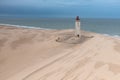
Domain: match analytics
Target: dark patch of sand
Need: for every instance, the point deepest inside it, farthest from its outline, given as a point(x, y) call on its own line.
point(117, 46)
point(2, 42)
point(73, 39)
point(26, 39)
point(114, 68)
point(99, 64)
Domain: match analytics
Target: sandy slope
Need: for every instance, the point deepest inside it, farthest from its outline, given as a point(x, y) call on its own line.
point(29, 54)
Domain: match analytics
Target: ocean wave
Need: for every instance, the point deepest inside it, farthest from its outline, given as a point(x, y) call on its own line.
point(114, 36)
point(20, 26)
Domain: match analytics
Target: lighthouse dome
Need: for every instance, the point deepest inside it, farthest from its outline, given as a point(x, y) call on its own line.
point(77, 18)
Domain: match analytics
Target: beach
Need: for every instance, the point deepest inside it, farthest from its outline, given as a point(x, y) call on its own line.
point(38, 54)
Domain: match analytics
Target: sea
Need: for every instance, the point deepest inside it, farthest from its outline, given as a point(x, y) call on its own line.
point(110, 27)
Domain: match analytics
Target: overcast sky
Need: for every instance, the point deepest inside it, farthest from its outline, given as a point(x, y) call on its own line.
point(61, 8)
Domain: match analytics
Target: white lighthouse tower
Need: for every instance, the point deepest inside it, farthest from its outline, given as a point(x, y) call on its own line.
point(77, 27)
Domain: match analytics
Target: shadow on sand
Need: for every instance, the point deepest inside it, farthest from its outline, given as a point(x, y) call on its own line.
point(71, 39)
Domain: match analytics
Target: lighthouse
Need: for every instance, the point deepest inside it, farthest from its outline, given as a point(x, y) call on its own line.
point(77, 27)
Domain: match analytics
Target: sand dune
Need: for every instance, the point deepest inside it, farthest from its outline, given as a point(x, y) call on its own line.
point(32, 54)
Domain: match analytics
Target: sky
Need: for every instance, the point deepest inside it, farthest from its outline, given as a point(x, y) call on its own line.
point(61, 8)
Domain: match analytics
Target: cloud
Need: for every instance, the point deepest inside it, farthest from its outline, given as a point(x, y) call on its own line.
point(60, 7)
point(42, 3)
point(57, 3)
